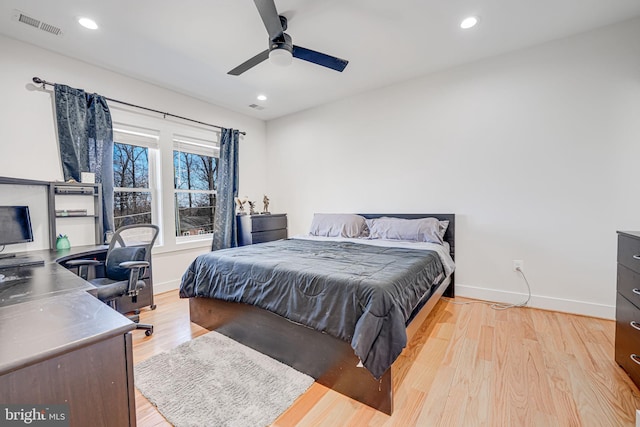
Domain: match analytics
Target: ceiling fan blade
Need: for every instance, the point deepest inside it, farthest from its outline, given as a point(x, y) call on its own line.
point(269, 15)
point(262, 56)
point(319, 58)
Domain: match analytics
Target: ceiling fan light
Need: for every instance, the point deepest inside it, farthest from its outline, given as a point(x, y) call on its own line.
point(280, 57)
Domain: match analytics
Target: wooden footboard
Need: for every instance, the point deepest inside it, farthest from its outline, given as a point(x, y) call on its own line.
point(329, 360)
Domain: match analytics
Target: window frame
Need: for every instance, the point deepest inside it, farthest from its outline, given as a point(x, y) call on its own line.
point(149, 139)
point(198, 146)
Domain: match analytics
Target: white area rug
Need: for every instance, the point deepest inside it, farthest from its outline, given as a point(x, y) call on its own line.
point(216, 381)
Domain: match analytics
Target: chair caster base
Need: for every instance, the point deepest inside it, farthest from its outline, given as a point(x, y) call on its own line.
point(147, 327)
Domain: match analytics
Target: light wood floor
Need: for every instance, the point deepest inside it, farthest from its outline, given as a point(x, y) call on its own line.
point(469, 365)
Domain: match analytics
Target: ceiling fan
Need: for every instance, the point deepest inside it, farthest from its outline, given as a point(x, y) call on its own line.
point(281, 49)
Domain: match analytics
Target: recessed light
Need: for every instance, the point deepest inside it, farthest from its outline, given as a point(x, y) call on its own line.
point(88, 23)
point(262, 97)
point(469, 22)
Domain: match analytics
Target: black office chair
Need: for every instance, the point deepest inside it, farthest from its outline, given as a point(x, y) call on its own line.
point(128, 256)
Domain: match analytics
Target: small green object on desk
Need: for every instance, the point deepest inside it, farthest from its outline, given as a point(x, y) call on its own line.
point(62, 242)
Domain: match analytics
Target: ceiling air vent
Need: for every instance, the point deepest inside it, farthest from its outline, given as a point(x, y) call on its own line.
point(28, 20)
point(50, 28)
point(256, 107)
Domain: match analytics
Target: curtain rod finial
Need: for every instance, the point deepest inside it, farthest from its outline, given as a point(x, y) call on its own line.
point(37, 80)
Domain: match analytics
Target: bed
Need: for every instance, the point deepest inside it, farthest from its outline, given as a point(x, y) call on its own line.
point(338, 309)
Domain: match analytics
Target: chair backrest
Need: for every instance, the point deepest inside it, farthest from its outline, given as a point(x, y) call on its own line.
point(118, 255)
point(129, 243)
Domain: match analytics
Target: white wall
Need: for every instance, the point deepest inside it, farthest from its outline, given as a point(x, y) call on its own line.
point(28, 145)
point(535, 151)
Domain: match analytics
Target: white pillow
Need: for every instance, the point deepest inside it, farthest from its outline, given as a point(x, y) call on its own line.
point(416, 230)
point(338, 225)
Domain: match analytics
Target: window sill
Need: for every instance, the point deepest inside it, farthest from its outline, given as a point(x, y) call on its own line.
point(185, 244)
point(196, 240)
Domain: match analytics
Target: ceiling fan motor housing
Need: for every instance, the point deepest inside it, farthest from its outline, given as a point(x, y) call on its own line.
point(282, 42)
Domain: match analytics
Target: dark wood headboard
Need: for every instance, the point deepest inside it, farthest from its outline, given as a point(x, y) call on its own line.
point(449, 235)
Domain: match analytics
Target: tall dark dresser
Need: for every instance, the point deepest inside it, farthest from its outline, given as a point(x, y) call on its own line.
point(628, 304)
point(261, 228)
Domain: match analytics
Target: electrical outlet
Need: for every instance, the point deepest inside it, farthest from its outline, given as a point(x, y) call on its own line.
point(518, 264)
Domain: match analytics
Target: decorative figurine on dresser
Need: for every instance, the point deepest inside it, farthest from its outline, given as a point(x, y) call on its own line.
point(627, 344)
point(265, 204)
point(240, 204)
point(252, 208)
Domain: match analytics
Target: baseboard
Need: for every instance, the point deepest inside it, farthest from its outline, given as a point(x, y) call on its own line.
point(170, 285)
point(538, 301)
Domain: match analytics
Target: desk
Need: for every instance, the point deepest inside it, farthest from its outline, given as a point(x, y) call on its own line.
point(37, 282)
point(61, 345)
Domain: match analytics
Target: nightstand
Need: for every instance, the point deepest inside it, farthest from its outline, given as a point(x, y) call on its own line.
point(261, 228)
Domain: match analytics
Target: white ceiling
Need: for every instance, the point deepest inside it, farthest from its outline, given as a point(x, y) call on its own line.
point(189, 46)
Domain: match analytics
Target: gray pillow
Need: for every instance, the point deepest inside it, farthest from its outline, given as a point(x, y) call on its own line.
point(338, 225)
point(416, 230)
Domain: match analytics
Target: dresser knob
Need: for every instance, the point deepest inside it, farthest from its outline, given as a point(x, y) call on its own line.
point(636, 257)
point(635, 325)
point(635, 358)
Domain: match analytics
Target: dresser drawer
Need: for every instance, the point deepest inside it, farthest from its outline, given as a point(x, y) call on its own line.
point(628, 337)
point(629, 252)
point(629, 284)
point(268, 236)
point(268, 222)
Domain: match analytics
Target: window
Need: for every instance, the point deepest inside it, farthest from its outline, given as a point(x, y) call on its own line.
point(195, 166)
point(133, 175)
point(131, 196)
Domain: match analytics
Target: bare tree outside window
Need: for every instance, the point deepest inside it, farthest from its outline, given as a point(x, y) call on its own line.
point(195, 197)
point(132, 196)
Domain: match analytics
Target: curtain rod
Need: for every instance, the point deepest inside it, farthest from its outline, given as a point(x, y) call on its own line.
point(38, 80)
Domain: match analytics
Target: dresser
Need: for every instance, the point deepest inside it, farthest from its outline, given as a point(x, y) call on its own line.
point(627, 351)
point(261, 228)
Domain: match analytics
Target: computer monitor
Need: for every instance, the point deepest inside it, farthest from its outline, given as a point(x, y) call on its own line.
point(15, 225)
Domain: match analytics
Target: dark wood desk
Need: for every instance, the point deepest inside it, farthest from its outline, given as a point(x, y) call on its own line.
point(61, 345)
point(22, 284)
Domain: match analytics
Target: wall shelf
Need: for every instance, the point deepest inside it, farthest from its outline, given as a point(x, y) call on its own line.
point(79, 192)
point(67, 192)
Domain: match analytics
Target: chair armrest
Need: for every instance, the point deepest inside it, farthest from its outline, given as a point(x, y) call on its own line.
point(135, 284)
point(134, 264)
point(83, 266)
point(80, 262)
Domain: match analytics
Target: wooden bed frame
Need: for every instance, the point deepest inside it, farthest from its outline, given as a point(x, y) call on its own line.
point(329, 360)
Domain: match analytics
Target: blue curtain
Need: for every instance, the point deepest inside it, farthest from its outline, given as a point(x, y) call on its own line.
point(224, 222)
point(85, 136)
